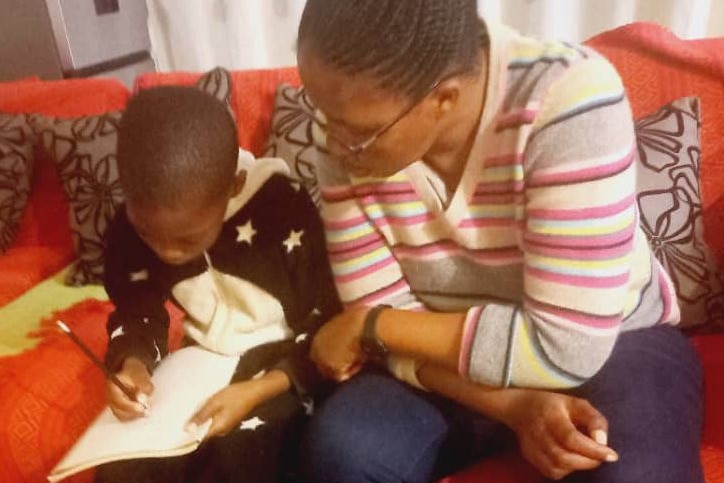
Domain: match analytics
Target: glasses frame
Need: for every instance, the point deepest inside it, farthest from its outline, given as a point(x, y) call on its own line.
point(359, 148)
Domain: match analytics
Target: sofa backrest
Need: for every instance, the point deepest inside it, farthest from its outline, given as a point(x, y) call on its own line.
point(252, 98)
point(657, 67)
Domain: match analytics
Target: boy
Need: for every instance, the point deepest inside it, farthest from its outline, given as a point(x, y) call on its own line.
point(236, 245)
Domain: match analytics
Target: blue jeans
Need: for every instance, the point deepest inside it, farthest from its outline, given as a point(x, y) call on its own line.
point(376, 429)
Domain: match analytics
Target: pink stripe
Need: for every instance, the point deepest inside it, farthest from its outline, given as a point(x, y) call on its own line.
point(390, 198)
point(606, 253)
point(504, 160)
point(581, 241)
point(596, 322)
point(339, 257)
point(404, 220)
point(357, 274)
point(487, 222)
point(585, 213)
point(516, 118)
point(335, 194)
point(380, 296)
point(494, 198)
point(578, 280)
point(665, 297)
point(352, 244)
point(466, 344)
point(345, 223)
point(383, 187)
point(500, 187)
point(580, 175)
point(495, 257)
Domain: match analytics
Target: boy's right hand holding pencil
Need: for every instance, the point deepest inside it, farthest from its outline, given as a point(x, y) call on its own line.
point(134, 375)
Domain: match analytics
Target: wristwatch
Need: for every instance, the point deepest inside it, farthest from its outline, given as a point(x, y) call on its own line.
point(372, 345)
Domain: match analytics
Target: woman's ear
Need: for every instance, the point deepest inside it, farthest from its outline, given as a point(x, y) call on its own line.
point(446, 96)
point(238, 184)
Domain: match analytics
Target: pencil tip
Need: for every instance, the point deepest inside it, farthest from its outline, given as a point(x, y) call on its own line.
point(62, 326)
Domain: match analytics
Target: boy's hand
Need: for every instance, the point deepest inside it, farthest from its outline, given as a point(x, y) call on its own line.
point(135, 376)
point(228, 407)
point(559, 434)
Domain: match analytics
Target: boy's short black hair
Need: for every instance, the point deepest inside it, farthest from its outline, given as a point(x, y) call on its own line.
point(176, 144)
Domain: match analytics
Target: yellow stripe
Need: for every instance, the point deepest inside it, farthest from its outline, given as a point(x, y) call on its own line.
point(591, 230)
point(592, 264)
point(544, 377)
point(348, 234)
point(350, 265)
point(23, 315)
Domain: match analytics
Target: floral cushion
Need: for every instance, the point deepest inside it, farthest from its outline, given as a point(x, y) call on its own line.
point(671, 210)
point(84, 151)
point(16, 162)
point(291, 137)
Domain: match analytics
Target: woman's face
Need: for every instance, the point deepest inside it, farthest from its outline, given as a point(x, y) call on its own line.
point(355, 109)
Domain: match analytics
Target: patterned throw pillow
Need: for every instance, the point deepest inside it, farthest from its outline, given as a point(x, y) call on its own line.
point(291, 137)
point(17, 144)
point(84, 151)
point(671, 210)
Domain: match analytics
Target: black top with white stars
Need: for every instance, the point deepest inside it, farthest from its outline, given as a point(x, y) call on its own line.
point(261, 290)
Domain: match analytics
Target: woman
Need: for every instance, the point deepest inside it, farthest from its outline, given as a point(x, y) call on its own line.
point(481, 220)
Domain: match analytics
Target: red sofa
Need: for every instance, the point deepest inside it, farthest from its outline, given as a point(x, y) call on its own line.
point(49, 392)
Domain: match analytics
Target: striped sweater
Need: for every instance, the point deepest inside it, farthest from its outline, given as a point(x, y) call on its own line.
point(539, 245)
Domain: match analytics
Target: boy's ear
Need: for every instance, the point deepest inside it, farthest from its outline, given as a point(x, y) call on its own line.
point(239, 182)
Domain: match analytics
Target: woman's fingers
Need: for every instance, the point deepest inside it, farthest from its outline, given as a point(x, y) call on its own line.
point(584, 415)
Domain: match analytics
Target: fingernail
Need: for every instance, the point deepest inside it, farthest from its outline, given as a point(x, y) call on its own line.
point(142, 398)
point(600, 437)
point(146, 413)
point(612, 457)
point(191, 428)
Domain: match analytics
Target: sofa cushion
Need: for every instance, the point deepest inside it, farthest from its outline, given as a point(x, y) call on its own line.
point(291, 137)
point(84, 151)
point(670, 206)
point(17, 144)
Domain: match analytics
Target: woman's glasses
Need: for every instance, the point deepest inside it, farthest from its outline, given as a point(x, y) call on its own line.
point(356, 149)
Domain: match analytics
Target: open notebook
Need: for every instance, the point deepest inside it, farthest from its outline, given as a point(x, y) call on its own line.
point(182, 383)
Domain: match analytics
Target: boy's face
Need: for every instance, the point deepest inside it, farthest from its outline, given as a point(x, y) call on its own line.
point(179, 234)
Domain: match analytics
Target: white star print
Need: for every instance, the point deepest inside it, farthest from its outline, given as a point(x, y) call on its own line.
point(294, 240)
point(139, 276)
point(296, 185)
point(301, 338)
point(117, 333)
point(158, 352)
point(251, 424)
point(245, 232)
point(308, 407)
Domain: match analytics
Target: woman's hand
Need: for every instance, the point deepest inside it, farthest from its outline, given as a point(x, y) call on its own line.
point(336, 348)
point(228, 407)
point(558, 434)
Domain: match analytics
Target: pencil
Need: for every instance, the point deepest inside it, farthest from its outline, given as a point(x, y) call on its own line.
point(112, 377)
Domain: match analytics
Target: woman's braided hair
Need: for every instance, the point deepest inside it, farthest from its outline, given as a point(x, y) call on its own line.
point(406, 45)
